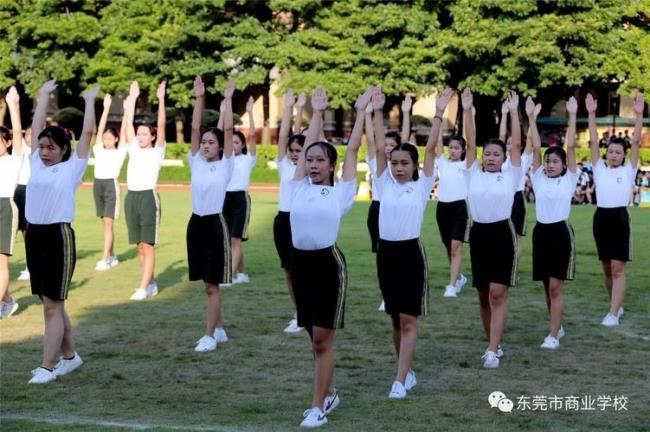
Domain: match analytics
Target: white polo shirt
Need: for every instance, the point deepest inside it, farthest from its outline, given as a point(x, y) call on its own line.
point(402, 206)
point(241, 176)
point(553, 195)
point(9, 170)
point(526, 163)
point(316, 212)
point(144, 166)
point(51, 189)
point(209, 181)
point(452, 186)
point(491, 194)
point(287, 170)
point(108, 163)
point(613, 185)
point(25, 170)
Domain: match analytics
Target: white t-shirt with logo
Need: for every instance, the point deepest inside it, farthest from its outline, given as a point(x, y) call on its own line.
point(241, 176)
point(553, 195)
point(613, 185)
point(108, 162)
point(316, 212)
point(144, 166)
point(287, 170)
point(452, 186)
point(209, 180)
point(491, 194)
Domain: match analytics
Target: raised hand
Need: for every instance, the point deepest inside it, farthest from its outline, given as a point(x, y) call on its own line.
point(12, 97)
point(530, 107)
point(249, 104)
point(443, 99)
point(302, 100)
point(466, 98)
point(407, 103)
point(369, 108)
point(572, 105)
point(364, 100)
point(638, 104)
point(160, 93)
point(378, 99)
point(108, 99)
point(319, 99)
point(538, 109)
point(504, 108)
point(513, 100)
point(591, 104)
point(91, 93)
point(134, 90)
point(199, 87)
point(289, 99)
point(229, 90)
point(47, 88)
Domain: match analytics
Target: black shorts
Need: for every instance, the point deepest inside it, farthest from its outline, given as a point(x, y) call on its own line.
point(208, 249)
point(554, 252)
point(320, 281)
point(492, 248)
point(282, 238)
point(518, 215)
point(142, 212)
point(453, 221)
point(237, 212)
point(19, 199)
point(402, 272)
point(8, 225)
point(51, 258)
point(373, 225)
point(613, 234)
point(107, 198)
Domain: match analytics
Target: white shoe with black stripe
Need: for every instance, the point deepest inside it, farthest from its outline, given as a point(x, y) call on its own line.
point(313, 418)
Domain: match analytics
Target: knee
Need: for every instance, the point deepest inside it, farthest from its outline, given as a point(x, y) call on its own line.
point(407, 323)
point(211, 290)
point(51, 308)
point(455, 249)
point(497, 297)
point(321, 346)
point(395, 321)
point(555, 290)
point(617, 270)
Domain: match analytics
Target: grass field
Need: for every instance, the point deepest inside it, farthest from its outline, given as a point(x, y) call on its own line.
point(141, 371)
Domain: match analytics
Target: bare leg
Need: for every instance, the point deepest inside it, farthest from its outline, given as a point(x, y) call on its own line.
point(67, 344)
point(486, 312)
point(323, 347)
point(408, 327)
point(499, 313)
point(147, 262)
point(557, 305)
point(4, 278)
point(397, 334)
point(618, 286)
point(236, 254)
point(54, 330)
point(289, 281)
point(455, 260)
point(607, 273)
point(214, 308)
point(107, 224)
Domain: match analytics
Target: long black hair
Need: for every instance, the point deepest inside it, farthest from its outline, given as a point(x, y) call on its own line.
point(559, 151)
point(330, 151)
point(218, 133)
point(242, 138)
point(413, 152)
point(60, 137)
point(6, 136)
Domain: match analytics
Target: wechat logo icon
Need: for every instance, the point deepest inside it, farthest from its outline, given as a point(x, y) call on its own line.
point(499, 400)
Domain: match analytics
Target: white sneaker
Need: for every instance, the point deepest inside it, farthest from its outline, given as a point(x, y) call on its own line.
point(491, 361)
point(219, 335)
point(560, 333)
point(293, 327)
point(205, 344)
point(460, 283)
point(550, 343)
point(397, 391)
point(620, 312)
point(103, 265)
point(24, 275)
point(42, 376)
point(331, 402)
point(313, 418)
point(410, 380)
point(241, 278)
point(382, 306)
point(450, 291)
point(8, 308)
point(139, 294)
point(113, 261)
point(152, 289)
point(65, 366)
point(499, 351)
point(610, 320)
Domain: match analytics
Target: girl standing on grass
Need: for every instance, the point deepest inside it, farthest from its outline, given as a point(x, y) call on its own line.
point(208, 242)
point(146, 150)
point(289, 149)
point(612, 228)
point(11, 158)
point(318, 267)
point(553, 238)
point(401, 260)
point(109, 157)
point(237, 206)
point(391, 140)
point(492, 239)
point(57, 172)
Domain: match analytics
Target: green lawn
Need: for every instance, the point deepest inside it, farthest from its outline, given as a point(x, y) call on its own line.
point(141, 371)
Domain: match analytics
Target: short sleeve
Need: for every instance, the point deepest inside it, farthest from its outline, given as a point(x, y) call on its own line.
point(283, 165)
point(295, 186)
point(372, 165)
point(572, 178)
point(191, 159)
point(441, 161)
point(517, 173)
point(251, 162)
point(381, 181)
point(78, 167)
point(631, 171)
point(160, 152)
point(346, 191)
point(526, 161)
point(538, 174)
point(426, 186)
point(228, 166)
point(473, 168)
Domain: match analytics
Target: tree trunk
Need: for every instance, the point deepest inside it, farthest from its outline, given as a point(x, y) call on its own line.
point(3, 108)
point(179, 120)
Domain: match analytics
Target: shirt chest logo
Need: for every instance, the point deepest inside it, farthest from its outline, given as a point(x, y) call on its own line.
point(619, 179)
point(324, 192)
point(213, 168)
point(499, 178)
point(55, 170)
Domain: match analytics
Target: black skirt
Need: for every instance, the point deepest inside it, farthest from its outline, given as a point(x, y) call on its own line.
point(613, 234)
point(554, 253)
point(492, 250)
point(282, 238)
point(518, 216)
point(237, 212)
point(208, 249)
point(453, 221)
point(373, 225)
